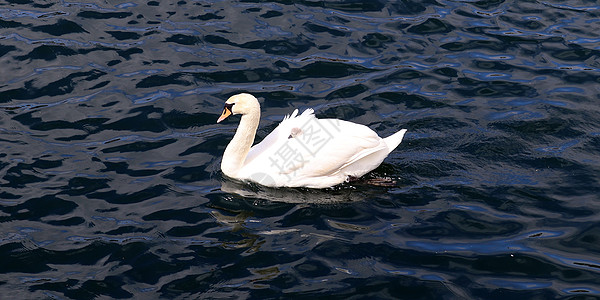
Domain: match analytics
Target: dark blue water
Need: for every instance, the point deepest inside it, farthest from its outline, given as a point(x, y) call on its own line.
point(110, 181)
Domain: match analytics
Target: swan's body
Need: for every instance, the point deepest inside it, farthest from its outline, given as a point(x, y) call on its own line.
point(302, 151)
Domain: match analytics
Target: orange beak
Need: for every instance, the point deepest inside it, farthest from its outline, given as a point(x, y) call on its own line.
point(226, 113)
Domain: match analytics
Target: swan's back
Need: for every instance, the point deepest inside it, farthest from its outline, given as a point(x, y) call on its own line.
point(311, 152)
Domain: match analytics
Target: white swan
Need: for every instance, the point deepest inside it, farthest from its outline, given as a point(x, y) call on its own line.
point(302, 151)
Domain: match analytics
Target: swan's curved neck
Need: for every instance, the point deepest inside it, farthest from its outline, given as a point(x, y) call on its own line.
point(237, 150)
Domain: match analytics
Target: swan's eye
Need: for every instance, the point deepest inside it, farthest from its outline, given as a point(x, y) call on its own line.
point(228, 106)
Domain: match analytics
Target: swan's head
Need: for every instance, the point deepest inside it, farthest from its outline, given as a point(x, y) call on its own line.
point(242, 104)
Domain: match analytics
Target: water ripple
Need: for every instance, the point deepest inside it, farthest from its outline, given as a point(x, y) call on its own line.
point(110, 155)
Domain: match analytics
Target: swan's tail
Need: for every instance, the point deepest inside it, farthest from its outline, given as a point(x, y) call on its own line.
point(394, 140)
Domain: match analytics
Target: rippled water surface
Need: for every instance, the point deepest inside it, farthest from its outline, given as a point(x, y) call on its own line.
point(110, 182)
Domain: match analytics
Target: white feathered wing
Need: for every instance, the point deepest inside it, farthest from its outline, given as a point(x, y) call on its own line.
point(310, 152)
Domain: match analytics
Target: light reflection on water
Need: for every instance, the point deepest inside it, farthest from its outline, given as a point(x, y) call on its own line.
point(109, 152)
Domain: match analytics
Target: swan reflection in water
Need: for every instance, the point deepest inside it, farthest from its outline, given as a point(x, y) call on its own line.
point(359, 190)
